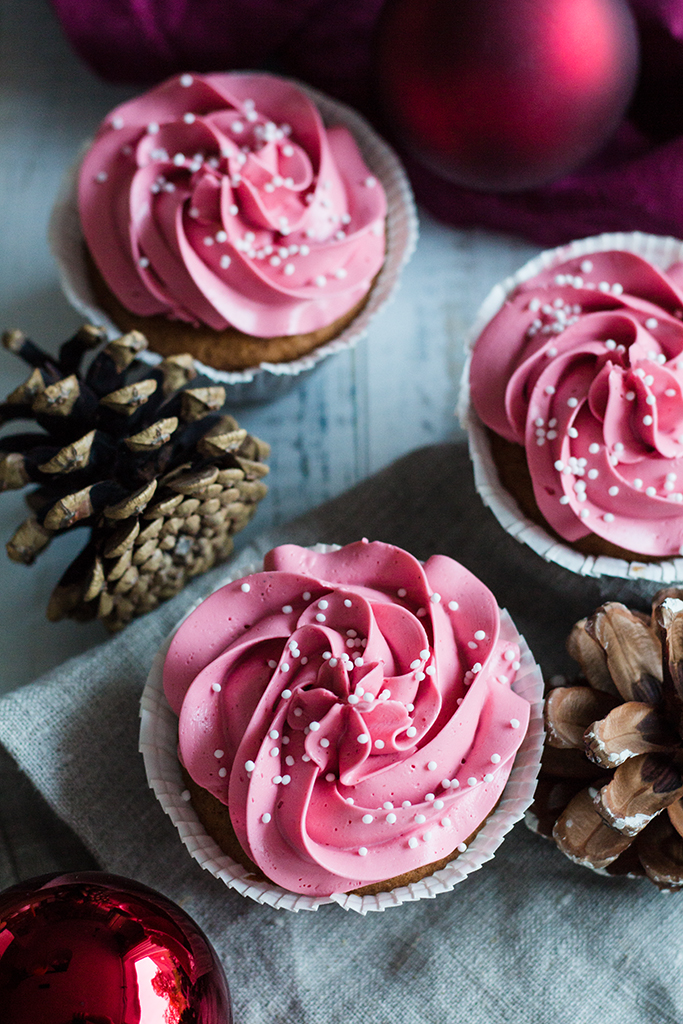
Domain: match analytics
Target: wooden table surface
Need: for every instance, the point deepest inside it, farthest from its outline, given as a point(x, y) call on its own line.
point(396, 391)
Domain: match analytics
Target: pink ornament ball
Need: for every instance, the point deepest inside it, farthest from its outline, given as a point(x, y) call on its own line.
point(504, 95)
point(94, 948)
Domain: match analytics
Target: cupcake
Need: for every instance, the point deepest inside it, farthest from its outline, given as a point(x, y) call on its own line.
point(347, 721)
point(237, 216)
point(574, 402)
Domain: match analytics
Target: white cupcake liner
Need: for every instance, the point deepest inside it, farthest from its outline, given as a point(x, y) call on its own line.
point(661, 252)
point(268, 380)
point(159, 742)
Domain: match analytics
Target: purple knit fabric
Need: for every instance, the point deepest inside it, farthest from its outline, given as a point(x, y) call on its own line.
point(635, 184)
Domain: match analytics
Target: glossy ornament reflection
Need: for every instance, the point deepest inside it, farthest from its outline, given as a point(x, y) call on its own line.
point(92, 948)
point(505, 94)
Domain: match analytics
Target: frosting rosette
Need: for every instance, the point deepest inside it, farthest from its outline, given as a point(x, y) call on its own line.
point(583, 366)
point(352, 708)
point(223, 200)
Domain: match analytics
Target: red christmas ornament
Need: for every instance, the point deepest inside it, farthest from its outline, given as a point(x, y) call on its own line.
point(506, 94)
point(93, 948)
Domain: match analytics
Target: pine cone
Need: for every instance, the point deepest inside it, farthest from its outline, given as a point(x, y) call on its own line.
point(611, 783)
point(159, 475)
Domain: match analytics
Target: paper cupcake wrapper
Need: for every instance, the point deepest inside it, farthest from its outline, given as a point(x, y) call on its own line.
point(159, 748)
point(660, 251)
point(268, 380)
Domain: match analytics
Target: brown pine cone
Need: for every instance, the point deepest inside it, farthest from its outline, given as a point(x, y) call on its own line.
point(160, 476)
point(611, 782)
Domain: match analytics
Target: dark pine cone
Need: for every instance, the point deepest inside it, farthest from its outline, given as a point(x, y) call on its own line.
point(159, 475)
point(611, 784)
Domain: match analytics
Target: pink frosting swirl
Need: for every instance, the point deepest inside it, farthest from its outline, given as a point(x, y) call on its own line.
point(223, 200)
point(353, 709)
point(583, 365)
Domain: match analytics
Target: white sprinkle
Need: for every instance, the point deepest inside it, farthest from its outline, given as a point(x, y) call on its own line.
point(420, 819)
point(216, 687)
point(412, 842)
point(608, 517)
point(572, 402)
point(320, 280)
point(379, 744)
point(637, 483)
point(265, 818)
point(630, 395)
point(340, 273)
point(276, 780)
point(647, 421)
point(549, 389)
point(152, 128)
point(314, 726)
point(453, 605)
point(593, 474)
point(471, 781)
point(573, 432)
point(274, 734)
point(350, 800)
point(390, 819)
point(514, 722)
point(286, 779)
point(411, 731)
point(222, 772)
point(610, 344)
point(650, 400)
point(650, 491)
point(274, 751)
point(367, 818)
point(488, 777)
point(320, 617)
point(435, 598)
point(186, 80)
point(586, 266)
point(101, 176)
point(480, 635)
point(245, 588)
point(289, 760)
point(651, 323)
point(462, 847)
point(249, 765)
point(218, 753)
point(363, 738)
point(613, 491)
point(649, 380)
point(431, 766)
point(670, 392)
point(594, 448)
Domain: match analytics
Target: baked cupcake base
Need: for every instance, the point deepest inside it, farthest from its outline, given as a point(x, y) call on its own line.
point(230, 350)
point(159, 743)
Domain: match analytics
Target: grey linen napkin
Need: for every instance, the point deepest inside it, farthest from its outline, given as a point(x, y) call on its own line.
point(530, 938)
